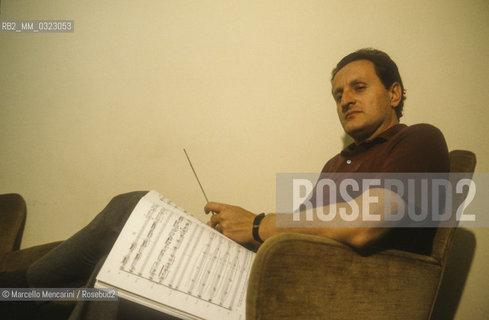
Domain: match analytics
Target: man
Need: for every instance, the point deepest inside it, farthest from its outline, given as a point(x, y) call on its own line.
point(369, 96)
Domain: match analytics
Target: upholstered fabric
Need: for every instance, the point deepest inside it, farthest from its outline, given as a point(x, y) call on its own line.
point(461, 161)
point(298, 276)
point(12, 221)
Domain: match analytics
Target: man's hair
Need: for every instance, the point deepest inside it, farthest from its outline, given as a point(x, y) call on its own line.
point(385, 68)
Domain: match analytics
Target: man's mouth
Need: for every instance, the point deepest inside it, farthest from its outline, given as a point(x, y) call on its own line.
point(350, 114)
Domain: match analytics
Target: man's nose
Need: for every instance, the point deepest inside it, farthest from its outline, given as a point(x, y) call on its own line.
point(347, 100)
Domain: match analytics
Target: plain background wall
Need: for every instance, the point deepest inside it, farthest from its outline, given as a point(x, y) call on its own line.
point(243, 85)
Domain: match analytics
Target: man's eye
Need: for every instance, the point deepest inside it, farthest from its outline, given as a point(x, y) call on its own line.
point(338, 98)
point(360, 88)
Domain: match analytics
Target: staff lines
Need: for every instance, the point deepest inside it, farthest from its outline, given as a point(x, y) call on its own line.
point(213, 267)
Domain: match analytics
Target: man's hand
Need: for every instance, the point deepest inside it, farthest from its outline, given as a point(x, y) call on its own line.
point(234, 222)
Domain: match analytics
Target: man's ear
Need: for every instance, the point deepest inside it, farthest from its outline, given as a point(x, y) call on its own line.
point(396, 94)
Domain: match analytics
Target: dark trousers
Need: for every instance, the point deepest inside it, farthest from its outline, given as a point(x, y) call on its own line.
point(71, 263)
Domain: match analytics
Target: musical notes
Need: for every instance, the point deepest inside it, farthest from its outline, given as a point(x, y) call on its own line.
point(167, 248)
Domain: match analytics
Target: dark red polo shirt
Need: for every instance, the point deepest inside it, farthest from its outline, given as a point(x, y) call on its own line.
point(419, 148)
point(400, 149)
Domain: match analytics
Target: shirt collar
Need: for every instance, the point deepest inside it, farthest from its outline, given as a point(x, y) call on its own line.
point(384, 136)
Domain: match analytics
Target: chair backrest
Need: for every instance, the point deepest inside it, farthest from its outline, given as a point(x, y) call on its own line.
point(12, 221)
point(461, 161)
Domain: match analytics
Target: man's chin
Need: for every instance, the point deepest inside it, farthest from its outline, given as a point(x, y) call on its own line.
point(355, 131)
point(352, 128)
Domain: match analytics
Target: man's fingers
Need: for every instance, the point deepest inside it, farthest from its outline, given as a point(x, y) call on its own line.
point(215, 207)
point(214, 220)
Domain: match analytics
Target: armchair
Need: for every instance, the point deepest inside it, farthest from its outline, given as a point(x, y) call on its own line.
point(296, 276)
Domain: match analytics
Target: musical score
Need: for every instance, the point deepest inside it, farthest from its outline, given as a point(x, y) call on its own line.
point(169, 249)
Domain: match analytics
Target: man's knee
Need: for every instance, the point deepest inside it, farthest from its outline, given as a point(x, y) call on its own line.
point(115, 214)
point(127, 200)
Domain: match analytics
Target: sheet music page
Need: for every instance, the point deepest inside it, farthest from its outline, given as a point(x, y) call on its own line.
point(167, 256)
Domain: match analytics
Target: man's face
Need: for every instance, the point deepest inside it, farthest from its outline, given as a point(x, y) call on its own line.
point(365, 107)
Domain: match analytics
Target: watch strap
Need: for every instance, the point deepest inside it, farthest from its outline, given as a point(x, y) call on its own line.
point(256, 226)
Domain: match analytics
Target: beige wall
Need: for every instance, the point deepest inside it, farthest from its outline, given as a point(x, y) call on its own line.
point(243, 85)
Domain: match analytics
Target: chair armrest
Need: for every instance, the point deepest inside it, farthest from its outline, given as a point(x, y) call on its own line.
point(12, 221)
point(21, 259)
point(296, 276)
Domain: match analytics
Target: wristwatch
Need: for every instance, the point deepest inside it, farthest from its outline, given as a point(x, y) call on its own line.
point(256, 226)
